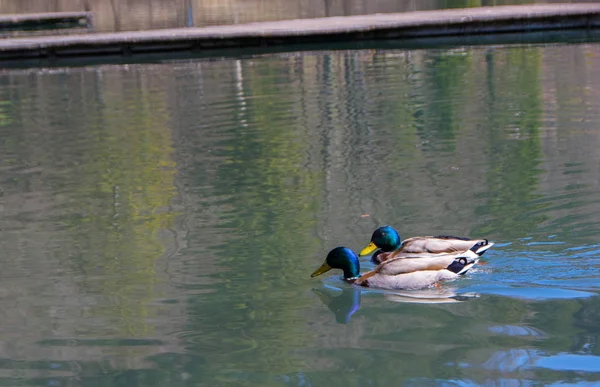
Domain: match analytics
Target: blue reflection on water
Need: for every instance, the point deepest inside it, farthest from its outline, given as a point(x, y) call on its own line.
point(570, 362)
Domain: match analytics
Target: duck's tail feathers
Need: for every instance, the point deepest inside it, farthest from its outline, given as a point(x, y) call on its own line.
point(481, 247)
point(461, 265)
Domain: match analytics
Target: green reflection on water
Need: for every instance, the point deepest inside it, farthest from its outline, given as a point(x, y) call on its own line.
point(4, 113)
point(270, 177)
point(268, 226)
point(513, 119)
point(123, 196)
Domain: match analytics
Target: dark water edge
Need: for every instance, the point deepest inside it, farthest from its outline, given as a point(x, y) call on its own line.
point(176, 55)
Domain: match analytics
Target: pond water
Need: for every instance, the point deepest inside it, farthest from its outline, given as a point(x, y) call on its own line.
point(159, 222)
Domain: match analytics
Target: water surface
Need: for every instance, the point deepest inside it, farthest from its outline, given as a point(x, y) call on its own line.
point(160, 221)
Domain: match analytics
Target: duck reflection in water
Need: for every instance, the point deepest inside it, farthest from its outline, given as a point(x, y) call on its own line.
point(344, 302)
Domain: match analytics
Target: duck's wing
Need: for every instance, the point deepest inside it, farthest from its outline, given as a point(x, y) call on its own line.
point(414, 273)
point(403, 265)
point(415, 280)
point(442, 244)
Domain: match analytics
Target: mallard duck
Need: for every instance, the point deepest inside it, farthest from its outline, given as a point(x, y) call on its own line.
point(397, 273)
point(442, 249)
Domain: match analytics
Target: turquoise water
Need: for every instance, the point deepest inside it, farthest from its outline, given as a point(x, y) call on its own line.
point(159, 222)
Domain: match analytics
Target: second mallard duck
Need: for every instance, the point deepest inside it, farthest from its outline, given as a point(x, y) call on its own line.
point(439, 250)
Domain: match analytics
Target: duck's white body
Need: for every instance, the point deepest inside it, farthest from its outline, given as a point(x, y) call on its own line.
point(410, 273)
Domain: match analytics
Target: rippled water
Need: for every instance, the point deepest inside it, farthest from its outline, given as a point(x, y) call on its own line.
point(159, 223)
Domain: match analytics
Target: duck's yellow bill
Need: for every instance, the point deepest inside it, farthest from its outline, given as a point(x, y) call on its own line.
point(368, 250)
point(323, 269)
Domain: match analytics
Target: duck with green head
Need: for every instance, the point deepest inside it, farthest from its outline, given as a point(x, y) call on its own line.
point(397, 273)
point(441, 249)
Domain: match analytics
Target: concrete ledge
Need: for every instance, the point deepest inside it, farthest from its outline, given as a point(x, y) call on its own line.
point(44, 20)
point(411, 25)
point(543, 37)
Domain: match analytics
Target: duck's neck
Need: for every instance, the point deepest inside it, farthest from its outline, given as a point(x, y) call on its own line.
point(351, 270)
point(392, 243)
point(392, 246)
point(380, 256)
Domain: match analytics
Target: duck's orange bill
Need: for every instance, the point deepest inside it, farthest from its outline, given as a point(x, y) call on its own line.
point(368, 250)
point(323, 269)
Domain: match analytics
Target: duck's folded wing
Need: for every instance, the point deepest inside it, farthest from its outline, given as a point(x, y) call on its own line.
point(409, 265)
point(416, 280)
point(439, 244)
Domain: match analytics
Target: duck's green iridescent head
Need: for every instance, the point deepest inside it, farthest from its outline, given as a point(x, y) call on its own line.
point(386, 238)
point(340, 258)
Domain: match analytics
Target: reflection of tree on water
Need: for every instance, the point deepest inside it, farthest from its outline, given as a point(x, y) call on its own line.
point(255, 318)
point(513, 117)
